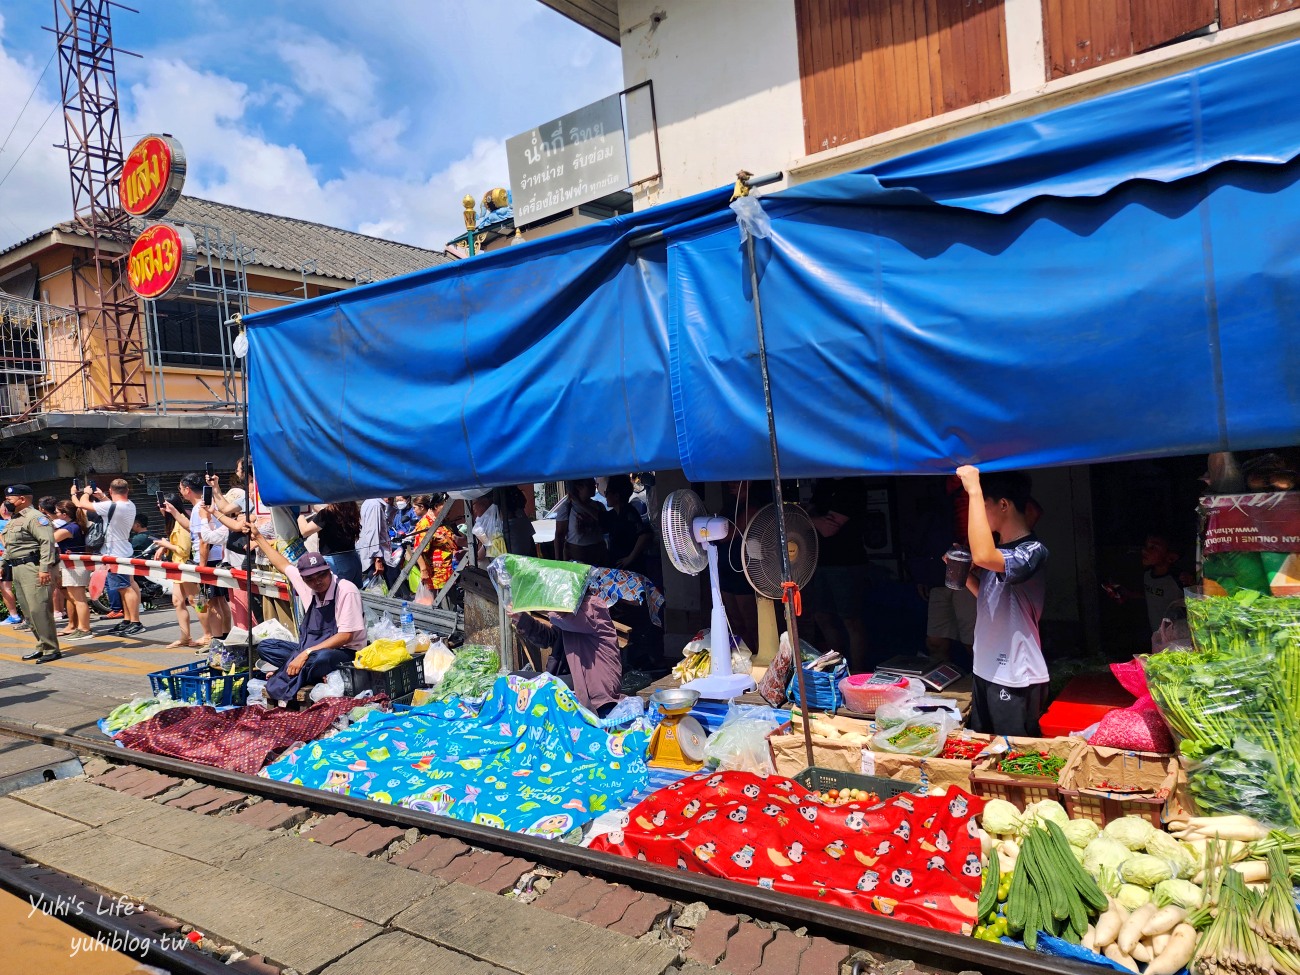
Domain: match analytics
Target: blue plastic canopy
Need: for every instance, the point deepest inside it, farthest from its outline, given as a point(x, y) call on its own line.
point(1110, 280)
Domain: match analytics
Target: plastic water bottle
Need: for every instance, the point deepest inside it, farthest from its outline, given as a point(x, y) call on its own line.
point(408, 622)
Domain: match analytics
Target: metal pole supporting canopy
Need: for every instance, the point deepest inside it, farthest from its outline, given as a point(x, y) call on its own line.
point(790, 597)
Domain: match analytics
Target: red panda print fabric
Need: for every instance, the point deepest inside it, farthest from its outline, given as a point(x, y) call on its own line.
point(913, 858)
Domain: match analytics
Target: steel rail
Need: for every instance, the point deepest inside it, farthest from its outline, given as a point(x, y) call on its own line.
point(26, 882)
point(939, 949)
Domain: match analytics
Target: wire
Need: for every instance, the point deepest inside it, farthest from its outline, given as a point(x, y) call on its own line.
point(28, 102)
point(29, 144)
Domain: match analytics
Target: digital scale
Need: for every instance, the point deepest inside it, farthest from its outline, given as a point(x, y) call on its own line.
point(932, 675)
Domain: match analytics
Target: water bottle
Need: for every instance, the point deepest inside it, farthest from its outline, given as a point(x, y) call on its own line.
point(408, 622)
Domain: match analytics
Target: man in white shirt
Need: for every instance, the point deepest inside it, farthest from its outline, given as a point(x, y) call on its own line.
point(117, 512)
point(209, 536)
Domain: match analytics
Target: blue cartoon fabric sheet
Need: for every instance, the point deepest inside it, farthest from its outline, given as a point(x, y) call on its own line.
point(530, 759)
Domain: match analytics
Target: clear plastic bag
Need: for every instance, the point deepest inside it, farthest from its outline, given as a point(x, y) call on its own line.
point(437, 660)
point(273, 630)
point(256, 691)
point(922, 735)
point(385, 629)
point(631, 708)
point(740, 745)
point(331, 686)
point(531, 585)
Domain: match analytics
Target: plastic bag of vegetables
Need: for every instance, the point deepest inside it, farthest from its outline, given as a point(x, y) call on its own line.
point(922, 736)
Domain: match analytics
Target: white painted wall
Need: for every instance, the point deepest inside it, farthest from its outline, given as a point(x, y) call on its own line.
point(726, 86)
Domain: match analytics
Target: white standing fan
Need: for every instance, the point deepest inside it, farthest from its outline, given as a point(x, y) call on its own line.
point(761, 550)
point(690, 538)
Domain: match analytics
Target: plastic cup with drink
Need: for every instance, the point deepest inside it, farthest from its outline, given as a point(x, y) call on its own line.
point(956, 568)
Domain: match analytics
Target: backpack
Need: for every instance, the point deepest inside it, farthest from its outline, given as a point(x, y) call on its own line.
point(97, 531)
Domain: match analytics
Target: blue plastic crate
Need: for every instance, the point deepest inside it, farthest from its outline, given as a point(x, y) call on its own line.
point(195, 684)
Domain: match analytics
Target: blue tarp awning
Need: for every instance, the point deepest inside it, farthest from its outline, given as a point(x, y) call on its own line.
point(1109, 280)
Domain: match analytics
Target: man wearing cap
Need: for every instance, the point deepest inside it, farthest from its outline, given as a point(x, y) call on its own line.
point(31, 555)
point(333, 626)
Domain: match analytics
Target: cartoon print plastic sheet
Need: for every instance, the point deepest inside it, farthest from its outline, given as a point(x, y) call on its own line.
point(529, 760)
point(914, 858)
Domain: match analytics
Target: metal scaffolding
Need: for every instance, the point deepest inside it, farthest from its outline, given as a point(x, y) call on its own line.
point(101, 294)
point(41, 368)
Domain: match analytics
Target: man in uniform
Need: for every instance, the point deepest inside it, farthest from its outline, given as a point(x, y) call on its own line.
point(31, 556)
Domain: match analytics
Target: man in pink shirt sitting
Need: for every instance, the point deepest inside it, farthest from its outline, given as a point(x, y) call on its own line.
point(333, 626)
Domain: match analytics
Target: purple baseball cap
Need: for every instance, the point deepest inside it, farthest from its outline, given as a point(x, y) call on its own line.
point(311, 564)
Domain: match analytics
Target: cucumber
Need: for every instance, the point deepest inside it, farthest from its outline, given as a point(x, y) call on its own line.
point(987, 904)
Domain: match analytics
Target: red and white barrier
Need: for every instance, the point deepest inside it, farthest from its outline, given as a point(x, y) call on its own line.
point(265, 583)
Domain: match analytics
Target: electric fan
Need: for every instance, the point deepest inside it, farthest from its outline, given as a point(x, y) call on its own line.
point(690, 538)
point(760, 550)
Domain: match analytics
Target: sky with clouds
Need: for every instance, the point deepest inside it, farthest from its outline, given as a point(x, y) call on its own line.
point(374, 115)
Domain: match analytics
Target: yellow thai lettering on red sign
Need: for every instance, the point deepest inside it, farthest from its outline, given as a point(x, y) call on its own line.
point(155, 261)
point(145, 174)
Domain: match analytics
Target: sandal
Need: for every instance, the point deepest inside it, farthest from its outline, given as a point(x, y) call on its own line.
point(177, 644)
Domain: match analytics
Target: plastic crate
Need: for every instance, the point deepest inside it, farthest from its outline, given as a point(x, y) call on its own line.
point(988, 782)
point(397, 683)
point(195, 683)
point(824, 779)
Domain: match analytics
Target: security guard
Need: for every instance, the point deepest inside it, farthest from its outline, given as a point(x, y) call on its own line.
point(31, 557)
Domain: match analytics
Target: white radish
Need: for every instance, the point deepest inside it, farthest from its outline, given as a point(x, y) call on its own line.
point(1108, 925)
point(1131, 932)
point(1164, 920)
point(1118, 957)
point(1177, 953)
point(1252, 872)
point(1089, 939)
point(1158, 944)
point(1142, 952)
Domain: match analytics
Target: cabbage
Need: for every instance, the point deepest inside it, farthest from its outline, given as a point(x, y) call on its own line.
point(1132, 897)
point(1132, 831)
point(1078, 853)
point(1145, 870)
point(1081, 832)
point(1183, 893)
point(1180, 856)
point(1104, 852)
point(1039, 813)
point(1001, 818)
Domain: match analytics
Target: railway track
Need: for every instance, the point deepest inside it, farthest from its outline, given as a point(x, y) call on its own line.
point(564, 865)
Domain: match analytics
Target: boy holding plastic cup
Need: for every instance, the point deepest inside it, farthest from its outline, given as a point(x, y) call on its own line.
point(1009, 579)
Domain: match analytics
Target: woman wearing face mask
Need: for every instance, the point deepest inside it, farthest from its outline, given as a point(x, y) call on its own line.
point(404, 517)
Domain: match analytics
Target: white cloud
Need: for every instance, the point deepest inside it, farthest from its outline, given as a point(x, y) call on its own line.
point(34, 193)
point(341, 78)
point(309, 127)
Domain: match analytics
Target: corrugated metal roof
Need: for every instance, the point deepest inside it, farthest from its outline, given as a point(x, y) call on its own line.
point(290, 244)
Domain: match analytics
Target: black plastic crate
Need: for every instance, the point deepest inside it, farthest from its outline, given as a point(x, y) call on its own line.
point(398, 682)
point(825, 779)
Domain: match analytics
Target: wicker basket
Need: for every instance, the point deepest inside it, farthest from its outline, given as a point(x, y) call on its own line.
point(1086, 781)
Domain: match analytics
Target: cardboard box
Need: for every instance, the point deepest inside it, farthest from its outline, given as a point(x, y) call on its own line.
point(789, 756)
point(1105, 784)
point(932, 773)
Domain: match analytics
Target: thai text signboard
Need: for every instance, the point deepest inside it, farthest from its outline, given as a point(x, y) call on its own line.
point(162, 261)
point(153, 175)
point(570, 160)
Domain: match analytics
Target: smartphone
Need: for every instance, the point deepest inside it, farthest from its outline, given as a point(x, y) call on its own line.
point(207, 495)
point(161, 499)
point(208, 468)
point(76, 485)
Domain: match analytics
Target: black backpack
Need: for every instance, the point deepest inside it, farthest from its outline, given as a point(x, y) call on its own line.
point(97, 531)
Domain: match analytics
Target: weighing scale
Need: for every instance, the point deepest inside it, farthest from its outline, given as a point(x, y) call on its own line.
point(678, 741)
point(934, 676)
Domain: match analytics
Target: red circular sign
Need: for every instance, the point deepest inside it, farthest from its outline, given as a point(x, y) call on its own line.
point(152, 176)
point(161, 261)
